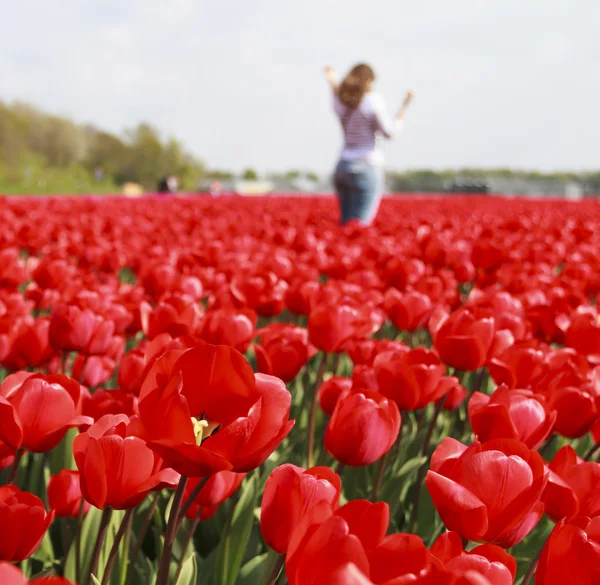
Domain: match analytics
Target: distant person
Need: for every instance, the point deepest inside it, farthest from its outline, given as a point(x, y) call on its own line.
point(215, 188)
point(163, 185)
point(173, 184)
point(359, 173)
point(168, 184)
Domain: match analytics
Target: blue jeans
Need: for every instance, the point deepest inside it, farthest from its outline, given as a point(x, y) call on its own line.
point(359, 186)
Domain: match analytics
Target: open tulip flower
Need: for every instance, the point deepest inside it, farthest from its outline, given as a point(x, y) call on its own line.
point(204, 410)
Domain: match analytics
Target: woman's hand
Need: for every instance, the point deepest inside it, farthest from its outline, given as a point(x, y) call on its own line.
point(331, 77)
point(409, 96)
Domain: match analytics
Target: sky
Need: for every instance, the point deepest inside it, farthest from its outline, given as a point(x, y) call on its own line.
point(498, 83)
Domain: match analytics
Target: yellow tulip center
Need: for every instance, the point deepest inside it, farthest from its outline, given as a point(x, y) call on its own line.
point(203, 429)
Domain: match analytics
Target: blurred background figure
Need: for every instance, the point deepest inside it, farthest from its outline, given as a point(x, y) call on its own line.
point(169, 184)
point(358, 176)
point(215, 188)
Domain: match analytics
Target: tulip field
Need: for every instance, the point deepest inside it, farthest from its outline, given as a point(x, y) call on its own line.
point(238, 391)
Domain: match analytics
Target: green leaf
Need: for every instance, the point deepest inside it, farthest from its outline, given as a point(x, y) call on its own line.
point(189, 572)
point(232, 547)
point(258, 569)
point(356, 482)
point(394, 486)
point(61, 457)
point(89, 532)
point(45, 552)
point(95, 580)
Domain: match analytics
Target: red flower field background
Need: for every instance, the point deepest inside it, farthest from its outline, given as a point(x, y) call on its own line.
point(201, 391)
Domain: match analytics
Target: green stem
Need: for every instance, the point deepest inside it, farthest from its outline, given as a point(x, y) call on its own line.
point(186, 545)
point(14, 469)
point(98, 546)
point(276, 570)
point(380, 473)
point(140, 537)
point(593, 450)
point(310, 455)
point(421, 476)
point(190, 499)
point(532, 567)
point(112, 557)
point(78, 540)
point(165, 560)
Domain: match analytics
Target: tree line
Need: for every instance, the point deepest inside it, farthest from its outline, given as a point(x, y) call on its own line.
point(44, 153)
point(40, 152)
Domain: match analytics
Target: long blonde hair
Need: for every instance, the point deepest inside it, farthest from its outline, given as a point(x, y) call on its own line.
point(355, 85)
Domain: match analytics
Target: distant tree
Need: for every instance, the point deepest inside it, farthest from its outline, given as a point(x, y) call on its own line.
point(250, 175)
point(220, 175)
point(292, 175)
point(312, 176)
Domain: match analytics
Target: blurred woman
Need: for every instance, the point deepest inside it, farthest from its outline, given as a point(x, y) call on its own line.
point(359, 173)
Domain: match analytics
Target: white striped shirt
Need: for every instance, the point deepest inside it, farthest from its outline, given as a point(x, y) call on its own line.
point(364, 128)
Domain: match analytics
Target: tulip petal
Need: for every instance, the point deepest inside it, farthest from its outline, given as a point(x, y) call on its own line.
point(459, 508)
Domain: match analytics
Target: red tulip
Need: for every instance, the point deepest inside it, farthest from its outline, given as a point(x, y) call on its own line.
point(363, 427)
point(117, 469)
point(103, 402)
point(131, 369)
point(462, 340)
point(282, 350)
point(412, 379)
point(408, 311)
point(37, 410)
point(398, 555)
point(488, 492)
point(64, 494)
point(363, 351)
point(326, 540)
point(488, 560)
point(511, 414)
point(188, 394)
point(76, 329)
point(229, 327)
point(571, 553)
point(30, 345)
point(219, 487)
point(330, 390)
point(175, 314)
point(520, 366)
point(94, 370)
point(24, 520)
point(582, 331)
point(456, 395)
point(300, 297)
point(572, 486)
point(11, 575)
point(364, 377)
point(263, 292)
point(576, 407)
point(289, 493)
point(331, 326)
